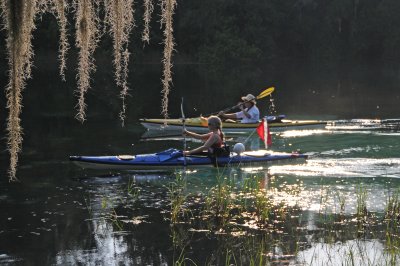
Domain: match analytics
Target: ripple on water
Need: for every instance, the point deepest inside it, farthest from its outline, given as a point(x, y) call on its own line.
point(342, 167)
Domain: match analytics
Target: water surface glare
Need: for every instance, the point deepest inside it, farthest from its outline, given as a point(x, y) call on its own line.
point(339, 207)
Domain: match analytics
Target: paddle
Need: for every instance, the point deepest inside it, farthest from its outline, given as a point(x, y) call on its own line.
point(184, 135)
point(263, 94)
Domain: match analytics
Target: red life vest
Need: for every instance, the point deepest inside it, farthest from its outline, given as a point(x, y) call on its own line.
point(220, 142)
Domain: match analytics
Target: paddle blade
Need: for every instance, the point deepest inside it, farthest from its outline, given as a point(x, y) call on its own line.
point(265, 93)
point(182, 113)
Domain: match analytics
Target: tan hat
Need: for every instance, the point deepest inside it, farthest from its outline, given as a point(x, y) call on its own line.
point(249, 98)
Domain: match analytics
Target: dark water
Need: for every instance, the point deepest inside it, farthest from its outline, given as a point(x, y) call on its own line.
point(61, 215)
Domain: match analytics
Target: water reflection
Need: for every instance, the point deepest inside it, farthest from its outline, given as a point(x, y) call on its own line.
point(365, 124)
point(313, 197)
point(351, 252)
point(335, 202)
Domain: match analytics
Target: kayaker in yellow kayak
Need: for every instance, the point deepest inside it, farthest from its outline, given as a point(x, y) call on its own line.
point(213, 140)
point(249, 112)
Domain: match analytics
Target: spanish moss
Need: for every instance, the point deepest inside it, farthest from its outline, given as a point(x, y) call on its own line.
point(167, 11)
point(86, 42)
point(148, 10)
point(18, 17)
point(19, 22)
point(59, 9)
point(119, 17)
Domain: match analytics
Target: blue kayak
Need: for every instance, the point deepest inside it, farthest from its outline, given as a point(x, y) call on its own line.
point(173, 159)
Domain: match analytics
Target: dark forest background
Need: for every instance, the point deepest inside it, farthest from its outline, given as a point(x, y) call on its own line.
point(325, 57)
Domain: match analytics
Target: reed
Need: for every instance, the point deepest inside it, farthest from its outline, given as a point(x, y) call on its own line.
point(362, 211)
point(342, 204)
point(230, 258)
point(133, 190)
point(262, 206)
point(392, 210)
point(180, 241)
point(88, 206)
point(183, 261)
point(115, 220)
point(177, 197)
point(391, 220)
point(336, 239)
point(219, 201)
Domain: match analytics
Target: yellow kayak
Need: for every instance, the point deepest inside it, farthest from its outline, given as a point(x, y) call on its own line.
point(199, 124)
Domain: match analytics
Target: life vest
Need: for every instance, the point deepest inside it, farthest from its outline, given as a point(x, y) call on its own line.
point(219, 143)
point(218, 149)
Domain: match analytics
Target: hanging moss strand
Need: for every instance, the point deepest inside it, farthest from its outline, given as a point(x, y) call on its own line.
point(86, 42)
point(167, 9)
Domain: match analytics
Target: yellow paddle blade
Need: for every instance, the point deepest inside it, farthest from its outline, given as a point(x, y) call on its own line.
point(265, 93)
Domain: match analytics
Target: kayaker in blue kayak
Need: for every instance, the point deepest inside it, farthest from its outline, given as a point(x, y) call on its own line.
point(249, 112)
point(213, 141)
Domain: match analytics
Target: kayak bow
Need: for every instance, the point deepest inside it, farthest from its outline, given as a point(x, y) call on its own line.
point(173, 159)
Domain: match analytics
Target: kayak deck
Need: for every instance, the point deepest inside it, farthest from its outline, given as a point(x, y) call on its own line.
point(200, 125)
point(172, 159)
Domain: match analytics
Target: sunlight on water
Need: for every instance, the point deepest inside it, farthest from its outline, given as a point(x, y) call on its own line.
point(302, 133)
point(352, 252)
point(336, 131)
point(364, 124)
point(353, 126)
point(344, 167)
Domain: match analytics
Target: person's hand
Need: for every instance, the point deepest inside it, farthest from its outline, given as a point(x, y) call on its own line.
point(185, 132)
point(241, 106)
point(221, 113)
point(186, 153)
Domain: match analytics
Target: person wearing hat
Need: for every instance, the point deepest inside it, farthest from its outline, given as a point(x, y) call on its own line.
point(249, 112)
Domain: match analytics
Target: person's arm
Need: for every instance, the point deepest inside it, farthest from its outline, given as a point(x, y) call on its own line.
point(229, 116)
point(195, 135)
point(210, 141)
point(245, 112)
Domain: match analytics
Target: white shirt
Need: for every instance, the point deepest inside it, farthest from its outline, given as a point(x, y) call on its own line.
point(254, 115)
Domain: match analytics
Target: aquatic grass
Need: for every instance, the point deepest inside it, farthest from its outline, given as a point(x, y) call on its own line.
point(88, 206)
point(180, 241)
point(262, 206)
point(342, 204)
point(391, 220)
point(219, 200)
point(362, 211)
point(133, 190)
point(177, 197)
point(392, 210)
point(115, 220)
point(104, 203)
point(284, 219)
point(110, 215)
point(229, 257)
point(235, 213)
point(182, 260)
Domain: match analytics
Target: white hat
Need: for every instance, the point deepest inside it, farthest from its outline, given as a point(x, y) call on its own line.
point(249, 98)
